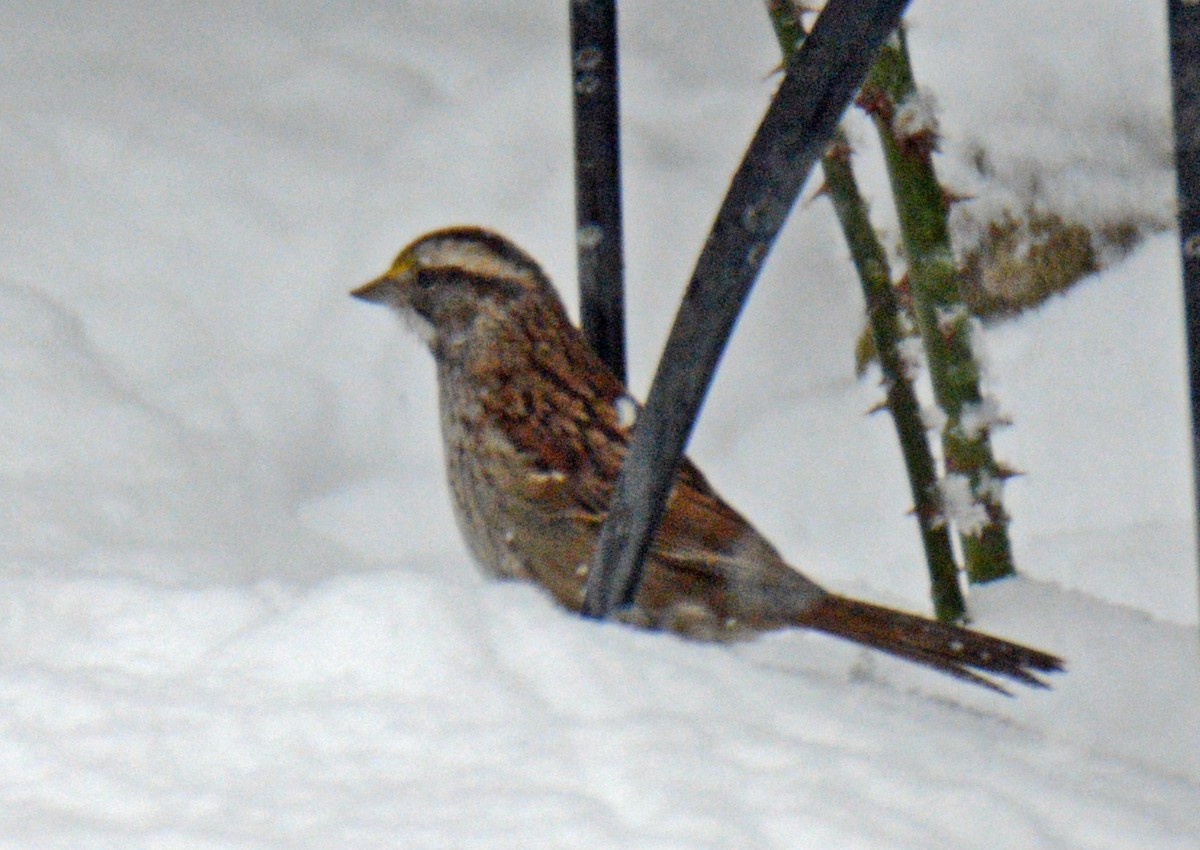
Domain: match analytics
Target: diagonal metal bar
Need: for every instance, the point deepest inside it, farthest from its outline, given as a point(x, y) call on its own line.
point(598, 178)
point(820, 80)
point(1183, 23)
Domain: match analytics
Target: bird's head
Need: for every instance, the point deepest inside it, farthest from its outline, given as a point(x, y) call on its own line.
point(446, 281)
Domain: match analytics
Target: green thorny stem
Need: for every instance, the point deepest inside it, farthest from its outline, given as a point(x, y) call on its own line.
point(946, 328)
point(884, 318)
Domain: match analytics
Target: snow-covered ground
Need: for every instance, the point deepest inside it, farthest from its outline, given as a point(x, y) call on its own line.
point(234, 611)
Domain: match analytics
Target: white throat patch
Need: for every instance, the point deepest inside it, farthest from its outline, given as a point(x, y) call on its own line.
point(418, 324)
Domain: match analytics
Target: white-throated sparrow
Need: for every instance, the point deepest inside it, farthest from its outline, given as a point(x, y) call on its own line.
point(535, 428)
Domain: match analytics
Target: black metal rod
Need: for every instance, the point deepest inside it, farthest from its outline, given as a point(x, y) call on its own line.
point(598, 178)
point(821, 78)
point(1183, 24)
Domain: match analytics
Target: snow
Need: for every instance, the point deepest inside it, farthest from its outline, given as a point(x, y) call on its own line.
point(977, 417)
point(916, 116)
point(933, 416)
point(627, 411)
point(234, 609)
point(961, 505)
point(912, 357)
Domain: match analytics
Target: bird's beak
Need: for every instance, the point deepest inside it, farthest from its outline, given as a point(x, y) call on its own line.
point(377, 290)
point(385, 288)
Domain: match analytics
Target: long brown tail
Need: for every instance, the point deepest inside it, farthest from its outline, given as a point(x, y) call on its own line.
point(957, 651)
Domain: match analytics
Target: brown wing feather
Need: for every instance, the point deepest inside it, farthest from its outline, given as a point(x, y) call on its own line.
point(704, 550)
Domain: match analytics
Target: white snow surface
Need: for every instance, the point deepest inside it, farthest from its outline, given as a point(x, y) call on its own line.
point(234, 611)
